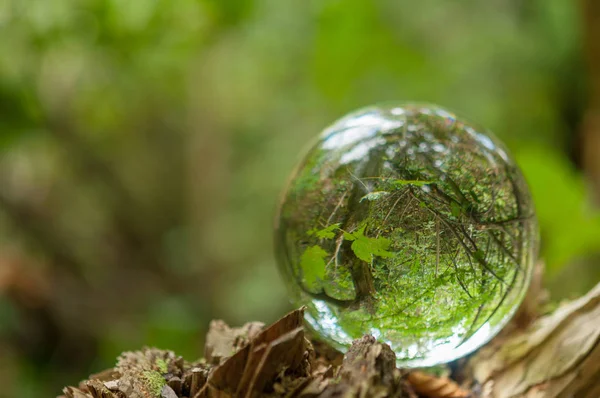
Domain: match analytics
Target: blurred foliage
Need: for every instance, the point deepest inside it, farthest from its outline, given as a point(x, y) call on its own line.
point(143, 146)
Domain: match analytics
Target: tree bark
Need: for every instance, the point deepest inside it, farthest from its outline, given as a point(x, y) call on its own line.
point(557, 355)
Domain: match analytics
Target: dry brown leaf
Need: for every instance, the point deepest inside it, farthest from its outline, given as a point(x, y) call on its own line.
point(223, 341)
point(435, 387)
point(247, 372)
point(286, 352)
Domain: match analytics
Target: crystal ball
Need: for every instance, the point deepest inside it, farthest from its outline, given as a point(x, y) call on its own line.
point(408, 223)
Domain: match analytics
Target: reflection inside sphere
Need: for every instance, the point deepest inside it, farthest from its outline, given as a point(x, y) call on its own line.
point(409, 224)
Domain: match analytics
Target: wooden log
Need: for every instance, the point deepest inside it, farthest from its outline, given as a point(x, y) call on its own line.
point(557, 355)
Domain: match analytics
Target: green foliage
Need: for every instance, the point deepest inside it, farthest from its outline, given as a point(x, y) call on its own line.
point(200, 108)
point(325, 233)
point(18, 112)
point(229, 12)
point(374, 195)
point(365, 247)
point(570, 228)
point(455, 209)
point(401, 183)
point(313, 265)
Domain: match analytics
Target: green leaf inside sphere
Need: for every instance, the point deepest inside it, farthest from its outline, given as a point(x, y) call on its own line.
point(366, 248)
point(313, 265)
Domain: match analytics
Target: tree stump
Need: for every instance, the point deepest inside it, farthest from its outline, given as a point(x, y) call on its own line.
point(557, 355)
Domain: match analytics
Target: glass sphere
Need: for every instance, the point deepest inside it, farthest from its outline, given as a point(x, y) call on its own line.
point(409, 224)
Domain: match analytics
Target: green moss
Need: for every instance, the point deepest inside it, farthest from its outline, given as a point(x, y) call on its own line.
point(162, 365)
point(153, 381)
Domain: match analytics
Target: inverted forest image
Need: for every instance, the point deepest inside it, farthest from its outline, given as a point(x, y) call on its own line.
point(406, 223)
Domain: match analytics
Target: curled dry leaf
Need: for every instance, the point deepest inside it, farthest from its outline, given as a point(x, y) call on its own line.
point(435, 387)
point(282, 346)
point(223, 341)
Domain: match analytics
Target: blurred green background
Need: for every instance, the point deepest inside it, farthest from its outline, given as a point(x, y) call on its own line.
point(144, 143)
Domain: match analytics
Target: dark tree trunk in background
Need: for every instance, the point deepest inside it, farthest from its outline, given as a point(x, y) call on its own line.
point(590, 139)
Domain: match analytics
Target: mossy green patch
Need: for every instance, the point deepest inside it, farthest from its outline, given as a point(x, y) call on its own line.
point(153, 381)
point(162, 365)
